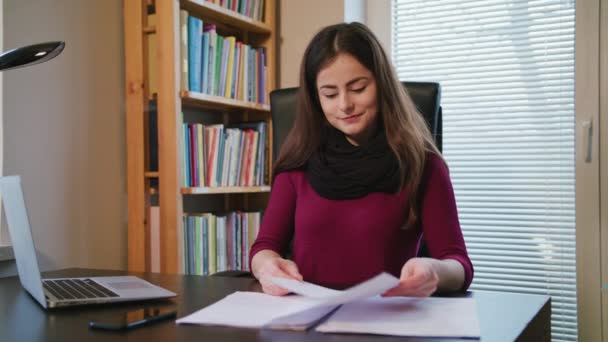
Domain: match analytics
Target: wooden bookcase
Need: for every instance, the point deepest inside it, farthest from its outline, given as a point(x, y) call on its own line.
point(170, 100)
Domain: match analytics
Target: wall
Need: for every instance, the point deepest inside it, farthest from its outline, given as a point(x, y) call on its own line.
point(65, 119)
point(379, 19)
point(6, 251)
point(65, 130)
point(298, 22)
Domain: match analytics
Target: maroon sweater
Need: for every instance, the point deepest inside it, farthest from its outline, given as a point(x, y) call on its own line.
point(339, 243)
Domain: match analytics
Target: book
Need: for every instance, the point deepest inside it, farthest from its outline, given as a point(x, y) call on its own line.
point(211, 59)
point(195, 53)
point(205, 62)
point(155, 238)
point(231, 41)
point(183, 49)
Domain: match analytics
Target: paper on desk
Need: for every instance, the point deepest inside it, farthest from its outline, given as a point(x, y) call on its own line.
point(258, 310)
point(403, 316)
point(304, 288)
point(372, 287)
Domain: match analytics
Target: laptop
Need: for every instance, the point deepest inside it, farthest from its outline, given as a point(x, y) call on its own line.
point(57, 292)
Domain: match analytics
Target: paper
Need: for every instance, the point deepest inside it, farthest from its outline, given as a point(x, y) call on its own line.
point(259, 310)
point(304, 288)
point(362, 311)
point(406, 316)
point(375, 286)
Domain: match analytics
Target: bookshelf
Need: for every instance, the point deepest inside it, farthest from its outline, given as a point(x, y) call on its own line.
point(155, 79)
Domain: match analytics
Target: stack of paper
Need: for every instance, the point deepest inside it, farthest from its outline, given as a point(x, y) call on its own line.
point(258, 310)
point(362, 311)
point(402, 316)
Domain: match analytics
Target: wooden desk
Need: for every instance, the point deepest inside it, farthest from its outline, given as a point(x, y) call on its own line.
point(503, 316)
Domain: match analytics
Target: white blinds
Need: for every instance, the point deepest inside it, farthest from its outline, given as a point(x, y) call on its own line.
point(507, 73)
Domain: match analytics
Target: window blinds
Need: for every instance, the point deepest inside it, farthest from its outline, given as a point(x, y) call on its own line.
point(507, 74)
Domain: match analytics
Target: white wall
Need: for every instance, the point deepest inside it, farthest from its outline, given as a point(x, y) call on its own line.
point(65, 130)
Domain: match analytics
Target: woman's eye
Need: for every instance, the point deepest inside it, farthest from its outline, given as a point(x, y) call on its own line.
point(330, 96)
point(359, 90)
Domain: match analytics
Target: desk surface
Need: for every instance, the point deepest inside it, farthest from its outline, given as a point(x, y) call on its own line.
point(502, 316)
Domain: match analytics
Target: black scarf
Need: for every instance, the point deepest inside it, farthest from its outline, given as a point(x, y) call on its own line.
point(339, 170)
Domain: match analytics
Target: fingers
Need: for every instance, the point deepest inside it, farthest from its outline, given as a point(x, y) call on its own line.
point(418, 279)
point(290, 268)
point(278, 268)
point(272, 289)
point(424, 290)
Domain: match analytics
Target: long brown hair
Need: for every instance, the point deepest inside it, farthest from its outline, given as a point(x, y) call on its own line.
point(407, 133)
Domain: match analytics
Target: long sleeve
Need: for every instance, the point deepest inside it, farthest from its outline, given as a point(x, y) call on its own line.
point(439, 218)
point(277, 226)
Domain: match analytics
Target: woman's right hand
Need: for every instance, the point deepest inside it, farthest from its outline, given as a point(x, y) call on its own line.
point(268, 264)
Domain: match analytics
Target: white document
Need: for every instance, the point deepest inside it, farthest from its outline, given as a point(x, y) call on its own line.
point(375, 286)
point(406, 316)
point(304, 288)
point(259, 310)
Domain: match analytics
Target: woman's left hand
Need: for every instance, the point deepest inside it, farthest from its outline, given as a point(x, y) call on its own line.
point(419, 278)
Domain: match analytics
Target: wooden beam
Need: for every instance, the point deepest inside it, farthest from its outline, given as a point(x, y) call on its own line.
point(169, 133)
point(135, 102)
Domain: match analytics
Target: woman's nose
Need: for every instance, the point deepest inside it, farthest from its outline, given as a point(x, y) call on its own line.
point(346, 103)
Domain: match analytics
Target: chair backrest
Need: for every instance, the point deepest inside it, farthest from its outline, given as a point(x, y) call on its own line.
point(425, 95)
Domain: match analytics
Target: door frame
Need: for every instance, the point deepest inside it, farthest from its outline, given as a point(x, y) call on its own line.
point(588, 224)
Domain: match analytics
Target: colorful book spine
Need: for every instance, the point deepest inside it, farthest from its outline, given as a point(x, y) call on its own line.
point(183, 48)
point(212, 245)
point(211, 59)
point(193, 156)
point(195, 50)
point(229, 71)
point(219, 48)
point(204, 62)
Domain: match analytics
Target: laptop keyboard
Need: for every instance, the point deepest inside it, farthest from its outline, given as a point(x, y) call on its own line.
point(77, 289)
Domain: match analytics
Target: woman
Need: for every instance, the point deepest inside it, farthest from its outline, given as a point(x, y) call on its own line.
point(359, 180)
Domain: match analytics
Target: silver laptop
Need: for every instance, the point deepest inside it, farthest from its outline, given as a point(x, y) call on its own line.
point(63, 291)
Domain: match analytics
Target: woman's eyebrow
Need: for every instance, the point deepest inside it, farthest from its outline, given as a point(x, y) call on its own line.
point(354, 80)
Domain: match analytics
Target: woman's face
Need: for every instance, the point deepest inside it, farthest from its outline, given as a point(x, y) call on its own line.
point(347, 92)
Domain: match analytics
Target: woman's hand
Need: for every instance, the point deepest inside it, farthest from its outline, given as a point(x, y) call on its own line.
point(419, 278)
point(268, 264)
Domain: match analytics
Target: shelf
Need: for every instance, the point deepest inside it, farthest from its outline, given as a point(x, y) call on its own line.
point(166, 253)
point(217, 102)
point(204, 10)
point(149, 29)
point(225, 190)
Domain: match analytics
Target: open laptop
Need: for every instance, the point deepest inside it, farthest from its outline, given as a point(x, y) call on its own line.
point(58, 292)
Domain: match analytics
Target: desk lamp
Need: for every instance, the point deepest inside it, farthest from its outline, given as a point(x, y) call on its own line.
point(30, 55)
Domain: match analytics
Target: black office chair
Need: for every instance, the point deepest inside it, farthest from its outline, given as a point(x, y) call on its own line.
point(425, 95)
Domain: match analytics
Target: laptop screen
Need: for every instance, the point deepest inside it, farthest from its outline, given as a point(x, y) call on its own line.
point(21, 237)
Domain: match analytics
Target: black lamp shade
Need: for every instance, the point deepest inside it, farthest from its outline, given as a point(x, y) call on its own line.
point(30, 55)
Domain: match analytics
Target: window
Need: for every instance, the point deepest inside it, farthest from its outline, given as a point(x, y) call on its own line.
point(506, 68)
